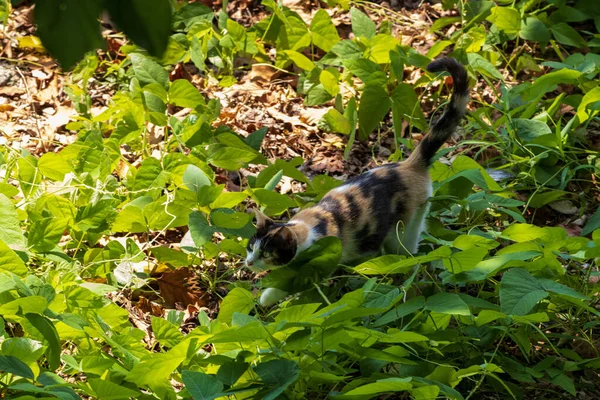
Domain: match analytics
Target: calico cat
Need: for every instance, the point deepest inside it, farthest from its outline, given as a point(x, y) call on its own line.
point(384, 207)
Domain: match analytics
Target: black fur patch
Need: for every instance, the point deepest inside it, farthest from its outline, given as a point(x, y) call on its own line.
point(322, 227)
point(329, 203)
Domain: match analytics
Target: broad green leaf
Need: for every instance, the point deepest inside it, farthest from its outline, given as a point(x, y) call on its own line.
point(394, 264)
point(279, 374)
point(506, 19)
point(300, 60)
point(45, 233)
point(388, 385)
point(165, 332)
point(323, 32)
point(464, 260)
point(549, 82)
point(520, 292)
point(401, 311)
point(107, 390)
point(592, 224)
point(228, 200)
point(238, 300)
point(24, 305)
point(276, 203)
point(374, 105)
point(231, 158)
point(69, 21)
point(487, 316)
point(380, 47)
point(148, 71)
point(155, 368)
point(195, 179)
point(406, 107)
point(10, 261)
point(362, 25)
point(150, 178)
point(558, 288)
point(202, 386)
point(254, 140)
point(591, 98)
point(146, 22)
point(48, 331)
point(10, 229)
point(15, 366)
point(183, 94)
point(130, 218)
point(533, 29)
point(200, 230)
point(231, 371)
point(566, 34)
point(235, 220)
point(530, 129)
point(330, 82)
point(54, 166)
point(524, 232)
point(483, 66)
point(336, 122)
point(361, 68)
point(447, 303)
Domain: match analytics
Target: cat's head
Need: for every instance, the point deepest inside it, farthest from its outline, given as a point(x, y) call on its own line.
point(273, 245)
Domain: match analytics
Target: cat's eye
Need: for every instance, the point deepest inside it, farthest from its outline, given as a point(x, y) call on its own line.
point(266, 254)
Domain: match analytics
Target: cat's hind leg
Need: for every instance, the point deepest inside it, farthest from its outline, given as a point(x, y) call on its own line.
point(404, 239)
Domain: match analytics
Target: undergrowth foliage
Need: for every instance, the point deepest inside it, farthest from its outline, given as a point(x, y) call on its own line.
point(491, 303)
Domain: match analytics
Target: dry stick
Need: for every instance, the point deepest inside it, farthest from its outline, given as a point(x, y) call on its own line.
point(37, 122)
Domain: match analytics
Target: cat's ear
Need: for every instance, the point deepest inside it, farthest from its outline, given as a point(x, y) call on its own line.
point(286, 233)
point(262, 221)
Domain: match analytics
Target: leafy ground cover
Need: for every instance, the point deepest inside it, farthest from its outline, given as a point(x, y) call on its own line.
point(126, 185)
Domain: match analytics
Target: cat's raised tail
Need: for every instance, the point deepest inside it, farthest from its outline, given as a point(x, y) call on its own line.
point(441, 131)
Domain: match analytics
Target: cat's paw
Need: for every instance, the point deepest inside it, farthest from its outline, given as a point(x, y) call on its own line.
point(271, 296)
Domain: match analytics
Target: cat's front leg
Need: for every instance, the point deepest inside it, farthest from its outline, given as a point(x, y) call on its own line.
point(271, 296)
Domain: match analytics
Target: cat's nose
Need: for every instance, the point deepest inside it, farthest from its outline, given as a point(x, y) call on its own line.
point(249, 263)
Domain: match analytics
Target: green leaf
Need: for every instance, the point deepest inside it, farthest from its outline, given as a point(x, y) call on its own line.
point(200, 230)
point(549, 82)
point(276, 203)
point(323, 32)
point(202, 386)
point(330, 82)
point(533, 29)
point(236, 220)
point(10, 228)
point(183, 94)
point(506, 19)
point(45, 233)
point(238, 300)
point(336, 122)
point(362, 68)
point(150, 178)
point(591, 98)
point(592, 224)
point(146, 22)
point(54, 166)
point(300, 60)
point(388, 385)
point(520, 292)
point(483, 66)
point(565, 34)
point(148, 71)
point(374, 105)
point(48, 331)
point(131, 219)
point(465, 260)
point(15, 366)
point(195, 179)
point(107, 390)
point(530, 129)
point(24, 305)
point(362, 25)
point(231, 158)
point(10, 261)
point(165, 332)
point(447, 303)
point(406, 107)
point(69, 21)
point(254, 140)
point(278, 373)
point(401, 311)
point(231, 371)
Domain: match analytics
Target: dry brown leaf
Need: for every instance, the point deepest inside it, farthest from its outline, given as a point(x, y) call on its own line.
point(177, 287)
